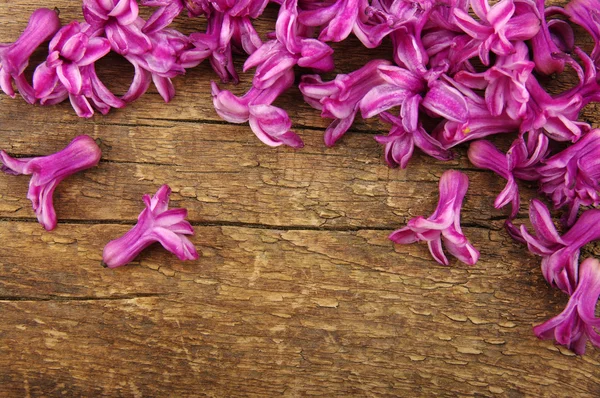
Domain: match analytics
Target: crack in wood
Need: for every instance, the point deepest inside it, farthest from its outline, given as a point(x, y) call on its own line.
point(80, 298)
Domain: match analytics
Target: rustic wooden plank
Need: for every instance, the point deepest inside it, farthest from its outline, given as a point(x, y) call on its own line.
point(224, 174)
point(334, 313)
point(298, 291)
point(281, 188)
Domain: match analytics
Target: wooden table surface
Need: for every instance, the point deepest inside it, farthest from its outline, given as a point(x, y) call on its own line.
point(298, 290)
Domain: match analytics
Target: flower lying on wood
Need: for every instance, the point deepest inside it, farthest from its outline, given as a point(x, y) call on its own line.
point(156, 223)
point(48, 171)
point(14, 57)
point(120, 22)
point(340, 98)
point(504, 83)
point(444, 223)
point(404, 136)
point(519, 162)
point(270, 124)
point(70, 69)
point(560, 254)
point(571, 176)
point(497, 26)
point(578, 322)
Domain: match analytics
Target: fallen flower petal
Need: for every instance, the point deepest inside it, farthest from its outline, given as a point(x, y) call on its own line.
point(577, 323)
point(48, 171)
point(560, 254)
point(520, 161)
point(14, 57)
point(571, 176)
point(156, 223)
point(444, 223)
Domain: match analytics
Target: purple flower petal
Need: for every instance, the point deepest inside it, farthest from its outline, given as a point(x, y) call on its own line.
point(444, 223)
point(70, 76)
point(577, 323)
point(48, 171)
point(155, 224)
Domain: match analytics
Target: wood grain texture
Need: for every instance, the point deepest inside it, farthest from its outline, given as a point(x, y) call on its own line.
point(298, 291)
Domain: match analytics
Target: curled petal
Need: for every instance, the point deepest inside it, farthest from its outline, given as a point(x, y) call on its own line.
point(48, 171)
point(155, 224)
point(272, 126)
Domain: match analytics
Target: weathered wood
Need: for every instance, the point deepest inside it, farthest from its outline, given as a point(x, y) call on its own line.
point(221, 179)
point(275, 312)
point(298, 290)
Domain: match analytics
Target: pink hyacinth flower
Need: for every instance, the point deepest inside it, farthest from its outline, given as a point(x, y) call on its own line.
point(560, 254)
point(271, 125)
point(119, 20)
point(571, 176)
point(520, 162)
point(291, 47)
point(48, 171)
point(406, 133)
point(498, 25)
point(578, 322)
point(338, 18)
point(479, 122)
point(340, 98)
point(586, 13)
point(504, 83)
point(158, 65)
point(70, 67)
point(14, 57)
point(156, 223)
point(554, 40)
point(444, 223)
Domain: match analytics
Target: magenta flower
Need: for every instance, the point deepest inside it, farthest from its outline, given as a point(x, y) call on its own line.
point(578, 322)
point(158, 65)
point(560, 254)
point(167, 11)
point(73, 51)
point(224, 35)
point(374, 22)
point(270, 124)
point(14, 57)
point(571, 176)
point(417, 89)
point(504, 83)
point(444, 223)
point(239, 8)
point(449, 49)
point(119, 20)
point(275, 57)
point(498, 25)
point(48, 171)
point(554, 40)
point(478, 123)
point(72, 48)
point(586, 13)
point(156, 223)
point(338, 18)
point(519, 162)
point(557, 116)
point(405, 135)
point(340, 98)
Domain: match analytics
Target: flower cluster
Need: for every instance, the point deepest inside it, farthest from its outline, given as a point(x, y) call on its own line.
point(157, 52)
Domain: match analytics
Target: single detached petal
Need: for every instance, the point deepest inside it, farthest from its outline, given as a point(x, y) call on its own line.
point(444, 223)
point(48, 171)
point(578, 322)
point(156, 223)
